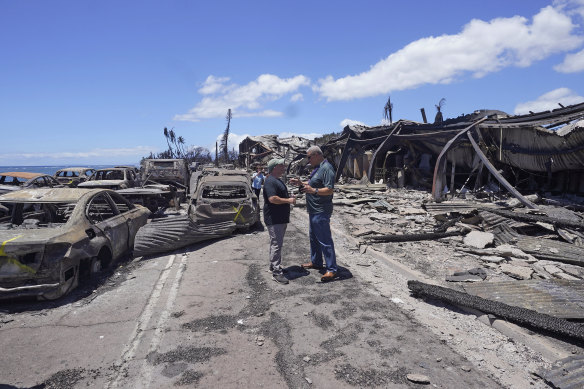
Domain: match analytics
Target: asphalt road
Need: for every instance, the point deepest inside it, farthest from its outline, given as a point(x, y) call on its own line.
point(211, 316)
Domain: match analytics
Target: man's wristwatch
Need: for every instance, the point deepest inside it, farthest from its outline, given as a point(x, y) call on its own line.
point(316, 191)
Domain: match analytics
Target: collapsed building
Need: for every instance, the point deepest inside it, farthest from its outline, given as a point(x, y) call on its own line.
point(485, 149)
point(258, 150)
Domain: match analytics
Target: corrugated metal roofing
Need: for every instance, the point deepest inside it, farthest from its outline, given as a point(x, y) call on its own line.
point(171, 233)
point(558, 298)
point(567, 373)
point(493, 220)
point(552, 250)
point(452, 206)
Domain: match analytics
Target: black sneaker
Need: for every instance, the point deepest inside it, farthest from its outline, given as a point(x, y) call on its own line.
point(279, 278)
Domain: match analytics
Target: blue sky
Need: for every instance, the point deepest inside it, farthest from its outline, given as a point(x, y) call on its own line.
point(92, 82)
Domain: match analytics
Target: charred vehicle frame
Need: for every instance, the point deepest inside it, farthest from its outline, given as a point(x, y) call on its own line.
point(51, 235)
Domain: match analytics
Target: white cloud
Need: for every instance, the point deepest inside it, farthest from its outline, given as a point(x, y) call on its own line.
point(244, 100)
point(573, 63)
point(549, 101)
point(213, 85)
point(138, 152)
point(349, 122)
point(297, 97)
point(480, 48)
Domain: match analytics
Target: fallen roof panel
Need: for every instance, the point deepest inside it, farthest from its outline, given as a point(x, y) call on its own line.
point(558, 298)
point(518, 315)
point(567, 373)
point(552, 250)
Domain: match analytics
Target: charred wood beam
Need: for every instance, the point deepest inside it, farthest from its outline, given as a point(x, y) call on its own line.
point(498, 175)
point(344, 157)
point(383, 147)
point(523, 217)
point(412, 237)
point(517, 315)
point(437, 183)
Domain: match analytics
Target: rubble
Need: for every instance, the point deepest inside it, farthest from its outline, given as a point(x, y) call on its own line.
point(478, 239)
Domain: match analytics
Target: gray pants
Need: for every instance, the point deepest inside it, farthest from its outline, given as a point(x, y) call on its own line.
point(276, 232)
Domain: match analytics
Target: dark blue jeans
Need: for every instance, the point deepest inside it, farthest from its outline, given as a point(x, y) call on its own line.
point(321, 241)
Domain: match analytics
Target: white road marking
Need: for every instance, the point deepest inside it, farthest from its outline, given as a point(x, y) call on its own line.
point(136, 337)
point(146, 371)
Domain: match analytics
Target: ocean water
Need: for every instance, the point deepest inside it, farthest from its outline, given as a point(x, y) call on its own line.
point(51, 170)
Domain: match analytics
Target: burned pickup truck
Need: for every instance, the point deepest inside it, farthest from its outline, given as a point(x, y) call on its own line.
point(164, 183)
point(226, 197)
point(50, 236)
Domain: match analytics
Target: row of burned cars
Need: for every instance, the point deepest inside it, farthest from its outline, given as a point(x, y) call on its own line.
point(53, 235)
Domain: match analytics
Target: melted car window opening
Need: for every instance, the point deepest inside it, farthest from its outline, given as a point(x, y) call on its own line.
point(99, 209)
point(6, 180)
point(40, 215)
point(224, 192)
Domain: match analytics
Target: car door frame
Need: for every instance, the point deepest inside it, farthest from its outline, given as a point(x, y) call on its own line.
point(115, 228)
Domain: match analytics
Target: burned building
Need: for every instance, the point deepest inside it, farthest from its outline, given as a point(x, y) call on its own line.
point(258, 150)
point(484, 149)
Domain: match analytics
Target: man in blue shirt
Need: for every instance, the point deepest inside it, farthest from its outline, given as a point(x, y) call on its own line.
point(319, 191)
point(257, 181)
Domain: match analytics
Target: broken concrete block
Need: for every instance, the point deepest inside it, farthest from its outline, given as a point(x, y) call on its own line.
point(566, 276)
point(411, 211)
point(418, 378)
point(478, 239)
point(492, 259)
point(552, 269)
point(517, 272)
point(508, 250)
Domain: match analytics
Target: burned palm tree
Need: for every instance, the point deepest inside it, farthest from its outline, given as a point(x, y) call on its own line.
point(439, 118)
point(167, 136)
point(224, 149)
point(387, 109)
point(180, 141)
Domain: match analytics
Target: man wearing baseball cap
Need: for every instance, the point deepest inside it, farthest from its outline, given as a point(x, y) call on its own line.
point(276, 215)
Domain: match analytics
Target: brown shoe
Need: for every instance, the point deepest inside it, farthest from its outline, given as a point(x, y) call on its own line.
point(311, 265)
point(328, 276)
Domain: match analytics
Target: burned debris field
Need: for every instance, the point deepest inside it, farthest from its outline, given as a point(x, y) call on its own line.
point(460, 246)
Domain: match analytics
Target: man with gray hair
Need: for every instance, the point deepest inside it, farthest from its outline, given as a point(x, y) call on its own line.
point(276, 215)
point(319, 191)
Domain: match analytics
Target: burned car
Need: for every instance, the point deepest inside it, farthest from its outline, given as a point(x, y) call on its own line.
point(11, 181)
point(73, 176)
point(53, 235)
point(112, 178)
point(225, 198)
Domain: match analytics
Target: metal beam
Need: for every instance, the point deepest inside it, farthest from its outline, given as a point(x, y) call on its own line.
point(441, 161)
point(386, 144)
point(498, 175)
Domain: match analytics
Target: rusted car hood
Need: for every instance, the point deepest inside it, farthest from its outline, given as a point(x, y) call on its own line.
point(28, 236)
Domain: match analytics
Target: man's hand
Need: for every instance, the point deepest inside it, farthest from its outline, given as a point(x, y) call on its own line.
point(295, 181)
